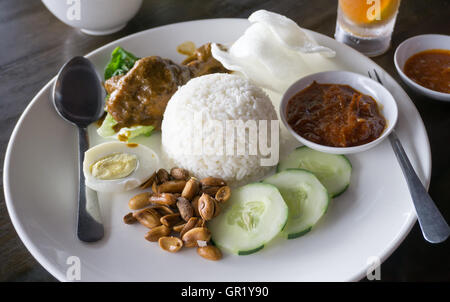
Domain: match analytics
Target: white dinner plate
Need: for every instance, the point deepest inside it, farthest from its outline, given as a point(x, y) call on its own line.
point(367, 222)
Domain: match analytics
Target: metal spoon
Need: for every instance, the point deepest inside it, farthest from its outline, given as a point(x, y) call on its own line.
point(78, 98)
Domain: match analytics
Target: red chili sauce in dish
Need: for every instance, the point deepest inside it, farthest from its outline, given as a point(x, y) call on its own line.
point(431, 69)
point(335, 115)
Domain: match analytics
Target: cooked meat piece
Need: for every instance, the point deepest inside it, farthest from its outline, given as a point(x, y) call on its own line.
point(202, 62)
point(141, 95)
point(111, 84)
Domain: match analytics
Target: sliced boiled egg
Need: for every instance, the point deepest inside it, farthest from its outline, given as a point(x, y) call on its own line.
point(118, 166)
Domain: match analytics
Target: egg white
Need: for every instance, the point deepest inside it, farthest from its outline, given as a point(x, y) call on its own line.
point(148, 162)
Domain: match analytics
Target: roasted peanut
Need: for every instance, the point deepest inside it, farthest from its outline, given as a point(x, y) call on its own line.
point(223, 194)
point(191, 237)
point(171, 219)
point(163, 210)
point(192, 223)
point(213, 182)
point(165, 199)
point(129, 218)
point(217, 208)
point(148, 217)
point(139, 201)
point(149, 182)
point(191, 188)
point(209, 252)
point(163, 176)
point(194, 204)
point(179, 173)
point(179, 227)
point(154, 234)
point(146, 184)
point(155, 187)
point(212, 191)
point(185, 208)
point(172, 186)
point(170, 244)
point(200, 223)
point(206, 206)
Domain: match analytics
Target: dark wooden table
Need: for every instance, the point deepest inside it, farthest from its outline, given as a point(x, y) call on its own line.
point(34, 45)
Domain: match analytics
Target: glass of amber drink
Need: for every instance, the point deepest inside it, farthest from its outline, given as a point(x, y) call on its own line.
point(366, 25)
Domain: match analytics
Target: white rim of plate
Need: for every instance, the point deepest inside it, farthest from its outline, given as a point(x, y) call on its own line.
point(59, 275)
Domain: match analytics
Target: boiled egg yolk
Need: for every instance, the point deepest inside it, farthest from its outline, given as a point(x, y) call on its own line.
point(114, 166)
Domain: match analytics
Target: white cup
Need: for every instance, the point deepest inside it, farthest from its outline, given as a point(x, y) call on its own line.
point(94, 17)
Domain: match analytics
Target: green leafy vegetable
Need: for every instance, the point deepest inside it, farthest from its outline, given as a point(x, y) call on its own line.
point(106, 129)
point(136, 131)
point(121, 61)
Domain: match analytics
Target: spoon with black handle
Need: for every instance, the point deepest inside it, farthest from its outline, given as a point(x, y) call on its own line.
point(78, 97)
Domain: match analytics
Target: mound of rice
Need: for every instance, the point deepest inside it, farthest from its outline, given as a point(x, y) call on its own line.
point(218, 98)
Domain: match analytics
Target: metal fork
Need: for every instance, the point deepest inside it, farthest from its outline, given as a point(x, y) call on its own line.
point(434, 227)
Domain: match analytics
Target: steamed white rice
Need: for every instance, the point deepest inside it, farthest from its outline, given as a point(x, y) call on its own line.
point(218, 97)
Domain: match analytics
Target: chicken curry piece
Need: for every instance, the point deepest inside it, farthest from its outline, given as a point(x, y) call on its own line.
point(202, 62)
point(140, 96)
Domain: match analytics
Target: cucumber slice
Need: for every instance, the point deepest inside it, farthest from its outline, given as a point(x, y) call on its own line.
point(305, 196)
point(333, 171)
point(253, 216)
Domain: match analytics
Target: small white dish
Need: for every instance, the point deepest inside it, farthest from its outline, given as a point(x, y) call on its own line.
point(415, 45)
point(386, 104)
point(94, 17)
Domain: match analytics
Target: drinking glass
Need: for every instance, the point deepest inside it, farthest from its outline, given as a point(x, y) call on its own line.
point(366, 25)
